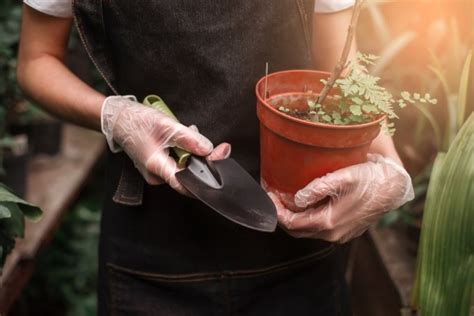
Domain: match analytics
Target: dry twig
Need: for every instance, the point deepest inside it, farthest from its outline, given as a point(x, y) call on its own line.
point(342, 63)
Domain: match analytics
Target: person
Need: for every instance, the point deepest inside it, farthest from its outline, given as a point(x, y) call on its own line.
point(162, 252)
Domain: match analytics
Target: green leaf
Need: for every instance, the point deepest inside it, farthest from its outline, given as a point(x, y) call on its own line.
point(401, 103)
point(369, 108)
point(445, 263)
point(357, 100)
point(31, 211)
point(15, 225)
point(463, 90)
point(355, 109)
point(327, 118)
point(355, 118)
point(406, 95)
point(4, 212)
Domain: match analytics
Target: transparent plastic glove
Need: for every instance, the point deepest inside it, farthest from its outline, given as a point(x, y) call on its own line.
point(146, 135)
point(342, 205)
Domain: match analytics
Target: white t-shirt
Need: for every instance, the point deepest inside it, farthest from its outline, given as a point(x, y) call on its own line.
point(63, 8)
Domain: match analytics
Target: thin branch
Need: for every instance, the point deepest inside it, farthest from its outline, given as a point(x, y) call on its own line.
point(342, 63)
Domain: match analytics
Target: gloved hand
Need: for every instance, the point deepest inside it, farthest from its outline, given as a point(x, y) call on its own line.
point(146, 135)
point(341, 205)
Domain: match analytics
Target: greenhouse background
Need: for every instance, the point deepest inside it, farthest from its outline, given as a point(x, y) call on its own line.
point(423, 46)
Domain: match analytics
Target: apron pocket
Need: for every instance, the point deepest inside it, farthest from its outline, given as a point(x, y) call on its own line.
point(133, 293)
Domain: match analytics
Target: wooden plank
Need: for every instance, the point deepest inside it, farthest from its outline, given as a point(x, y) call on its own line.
point(53, 184)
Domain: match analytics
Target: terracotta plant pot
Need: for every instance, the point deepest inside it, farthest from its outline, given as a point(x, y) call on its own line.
point(293, 151)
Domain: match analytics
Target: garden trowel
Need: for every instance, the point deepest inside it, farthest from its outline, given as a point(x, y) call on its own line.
point(223, 185)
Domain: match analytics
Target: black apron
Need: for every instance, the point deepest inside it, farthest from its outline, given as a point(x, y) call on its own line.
point(203, 58)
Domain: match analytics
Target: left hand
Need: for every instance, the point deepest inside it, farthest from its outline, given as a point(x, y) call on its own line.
point(358, 196)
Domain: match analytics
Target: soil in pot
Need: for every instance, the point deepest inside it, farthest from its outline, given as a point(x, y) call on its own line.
point(297, 106)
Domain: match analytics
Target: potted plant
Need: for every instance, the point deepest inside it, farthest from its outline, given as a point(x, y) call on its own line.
point(314, 122)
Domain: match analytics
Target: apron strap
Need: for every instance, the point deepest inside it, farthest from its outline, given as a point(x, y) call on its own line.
point(130, 185)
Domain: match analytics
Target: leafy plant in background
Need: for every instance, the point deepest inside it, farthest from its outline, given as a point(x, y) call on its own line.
point(66, 271)
point(10, 13)
point(447, 80)
point(10, 94)
point(445, 267)
point(13, 211)
point(457, 105)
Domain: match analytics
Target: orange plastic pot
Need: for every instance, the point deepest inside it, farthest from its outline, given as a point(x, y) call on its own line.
point(293, 151)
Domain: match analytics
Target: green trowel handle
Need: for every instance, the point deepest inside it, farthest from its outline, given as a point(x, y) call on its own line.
point(157, 103)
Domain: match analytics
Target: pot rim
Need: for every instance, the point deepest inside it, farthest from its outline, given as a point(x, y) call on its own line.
point(304, 122)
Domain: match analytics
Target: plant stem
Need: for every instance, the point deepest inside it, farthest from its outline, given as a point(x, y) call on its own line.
point(342, 63)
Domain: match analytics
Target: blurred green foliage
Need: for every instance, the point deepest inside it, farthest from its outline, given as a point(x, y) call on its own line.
point(429, 52)
point(13, 211)
point(66, 271)
point(10, 12)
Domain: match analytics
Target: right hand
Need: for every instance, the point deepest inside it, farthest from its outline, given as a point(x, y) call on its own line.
point(146, 135)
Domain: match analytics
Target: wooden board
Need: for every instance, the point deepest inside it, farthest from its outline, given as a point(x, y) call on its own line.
point(53, 184)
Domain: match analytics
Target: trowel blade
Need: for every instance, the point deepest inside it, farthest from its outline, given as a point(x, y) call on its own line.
point(229, 189)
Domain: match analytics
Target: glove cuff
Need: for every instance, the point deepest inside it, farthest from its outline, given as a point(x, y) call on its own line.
point(108, 117)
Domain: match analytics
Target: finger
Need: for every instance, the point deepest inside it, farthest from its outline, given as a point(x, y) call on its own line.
point(220, 152)
point(332, 184)
point(194, 128)
point(289, 221)
point(165, 167)
point(191, 140)
point(152, 179)
point(285, 216)
point(314, 192)
point(312, 219)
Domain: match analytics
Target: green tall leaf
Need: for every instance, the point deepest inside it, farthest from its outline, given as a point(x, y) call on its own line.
point(445, 268)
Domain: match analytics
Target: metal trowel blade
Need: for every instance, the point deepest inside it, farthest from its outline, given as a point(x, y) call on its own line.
point(227, 188)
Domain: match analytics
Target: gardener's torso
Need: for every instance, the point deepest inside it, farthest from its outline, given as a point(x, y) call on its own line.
point(203, 58)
